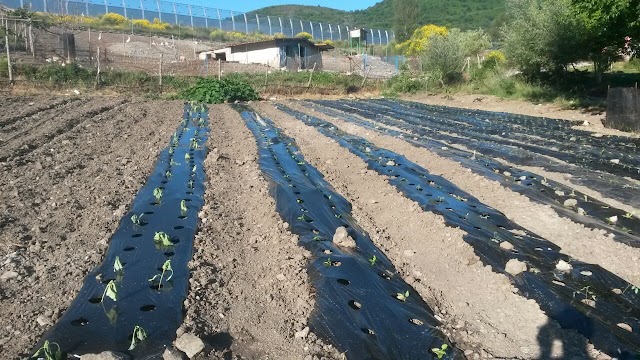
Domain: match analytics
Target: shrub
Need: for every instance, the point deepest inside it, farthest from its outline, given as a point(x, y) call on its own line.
point(214, 91)
point(494, 59)
point(113, 19)
point(304, 35)
point(141, 23)
point(4, 68)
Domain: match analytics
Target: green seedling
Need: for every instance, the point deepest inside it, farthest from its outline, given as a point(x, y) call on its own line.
point(165, 268)
point(162, 238)
point(193, 170)
point(373, 260)
point(183, 206)
point(117, 265)
point(112, 315)
point(628, 216)
point(168, 174)
point(194, 144)
point(440, 352)
point(110, 291)
point(190, 184)
point(327, 262)
point(137, 219)
point(402, 296)
point(173, 163)
point(633, 288)
point(48, 352)
point(157, 193)
point(187, 157)
point(170, 150)
point(139, 335)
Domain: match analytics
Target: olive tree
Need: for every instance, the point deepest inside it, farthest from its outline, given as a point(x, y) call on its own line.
point(543, 36)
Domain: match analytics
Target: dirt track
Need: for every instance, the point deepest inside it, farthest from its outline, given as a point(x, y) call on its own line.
point(72, 165)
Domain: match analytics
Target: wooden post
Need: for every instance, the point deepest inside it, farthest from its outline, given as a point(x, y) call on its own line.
point(219, 69)
point(160, 72)
point(98, 72)
point(266, 77)
point(31, 42)
point(311, 75)
point(6, 40)
point(366, 74)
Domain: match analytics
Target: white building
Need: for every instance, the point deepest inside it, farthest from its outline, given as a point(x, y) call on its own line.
point(289, 53)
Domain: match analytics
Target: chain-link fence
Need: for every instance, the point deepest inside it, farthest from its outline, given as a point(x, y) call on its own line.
point(201, 16)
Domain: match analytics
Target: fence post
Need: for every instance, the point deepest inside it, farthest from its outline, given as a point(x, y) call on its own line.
point(44, 2)
point(175, 15)
point(219, 69)
point(124, 6)
point(6, 41)
point(311, 75)
point(191, 16)
point(141, 8)
point(206, 19)
point(219, 19)
point(160, 73)
point(98, 72)
point(159, 12)
point(106, 7)
point(31, 42)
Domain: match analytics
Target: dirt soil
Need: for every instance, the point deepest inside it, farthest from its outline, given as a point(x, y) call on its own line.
point(71, 166)
point(594, 118)
point(436, 260)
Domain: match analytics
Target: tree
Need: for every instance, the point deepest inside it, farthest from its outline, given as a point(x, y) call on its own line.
point(543, 36)
point(607, 23)
point(406, 18)
point(419, 41)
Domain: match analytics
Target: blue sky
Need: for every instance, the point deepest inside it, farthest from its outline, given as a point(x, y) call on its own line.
point(248, 5)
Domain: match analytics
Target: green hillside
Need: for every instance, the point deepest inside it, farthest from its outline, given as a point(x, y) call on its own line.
point(464, 14)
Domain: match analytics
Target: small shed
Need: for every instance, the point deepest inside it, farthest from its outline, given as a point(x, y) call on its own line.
point(287, 53)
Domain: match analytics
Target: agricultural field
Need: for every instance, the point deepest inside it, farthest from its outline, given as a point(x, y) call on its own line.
point(318, 229)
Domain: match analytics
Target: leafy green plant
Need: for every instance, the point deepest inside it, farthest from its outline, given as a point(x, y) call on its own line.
point(111, 291)
point(402, 296)
point(214, 91)
point(327, 262)
point(187, 157)
point(117, 265)
point(157, 193)
point(441, 351)
point(168, 174)
point(183, 206)
point(373, 260)
point(47, 352)
point(193, 144)
point(137, 219)
point(159, 277)
point(139, 335)
point(162, 238)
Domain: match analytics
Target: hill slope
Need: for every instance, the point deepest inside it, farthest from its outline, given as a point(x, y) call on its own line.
point(464, 14)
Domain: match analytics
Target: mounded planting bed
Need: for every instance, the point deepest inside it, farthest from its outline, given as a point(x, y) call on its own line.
point(313, 230)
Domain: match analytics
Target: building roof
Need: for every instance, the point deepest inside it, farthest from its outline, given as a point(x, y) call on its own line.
point(320, 46)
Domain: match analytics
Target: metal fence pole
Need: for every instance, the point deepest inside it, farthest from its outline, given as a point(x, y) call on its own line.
point(141, 8)
point(86, 6)
point(6, 44)
point(44, 3)
point(206, 19)
point(175, 12)
point(270, 31)
point(106, 7)
point(191, 15)
point(219, 19)
point(124, 6)
point(233, 21)
point(22, 3)
point(159, 12)
point(246, 24)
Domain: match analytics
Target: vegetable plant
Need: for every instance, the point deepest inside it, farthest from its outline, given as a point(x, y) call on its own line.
point(137, 219)
point(139, 335)
point(168, 174)
point(402, 296)
point(327, 262)
point(111, 291)
point(373, 260)
point(165, 267)
point(183, 206)
point(47, 352)
point(117, 265)
point(157, 193)
point(187, 157)
point(162, 238)
point(441, 351)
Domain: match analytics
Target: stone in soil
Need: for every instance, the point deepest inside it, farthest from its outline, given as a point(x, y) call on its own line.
point(342, 238)
point(106, 355)
point(190, 345)
point(515, 267)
